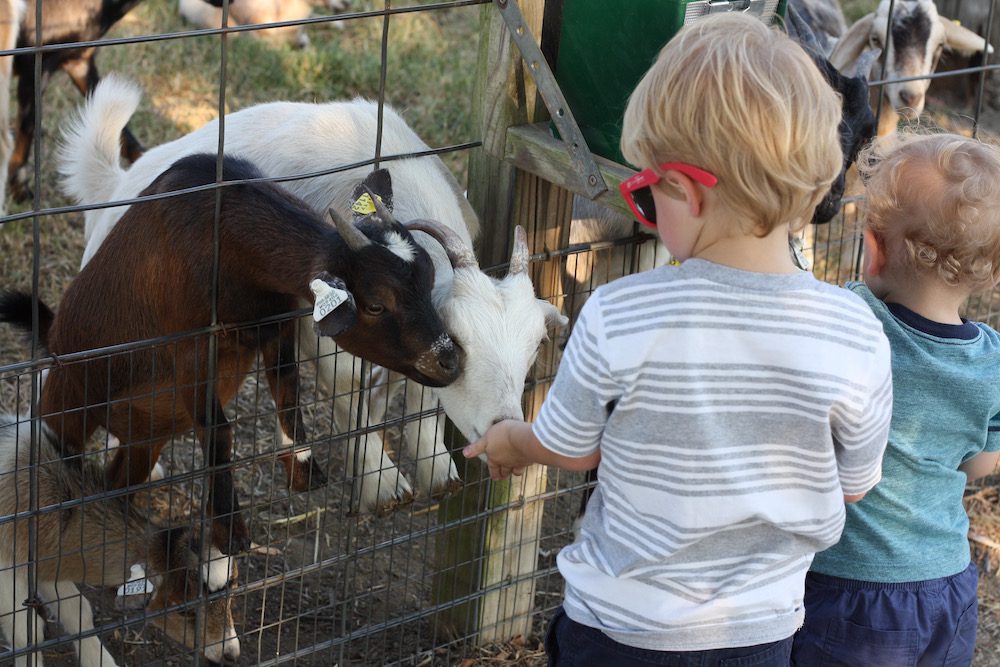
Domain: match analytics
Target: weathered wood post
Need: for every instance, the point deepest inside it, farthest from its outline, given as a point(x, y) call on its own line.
point(486, 563)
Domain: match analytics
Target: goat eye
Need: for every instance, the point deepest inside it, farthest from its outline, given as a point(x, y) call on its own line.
point(374, 309)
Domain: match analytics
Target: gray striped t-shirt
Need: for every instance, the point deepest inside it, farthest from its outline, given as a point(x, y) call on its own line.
point(732, 410)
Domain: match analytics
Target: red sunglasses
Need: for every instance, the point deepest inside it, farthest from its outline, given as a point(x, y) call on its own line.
point(639, 197)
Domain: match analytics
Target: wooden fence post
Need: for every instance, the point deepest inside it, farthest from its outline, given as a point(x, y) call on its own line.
point(486, 563)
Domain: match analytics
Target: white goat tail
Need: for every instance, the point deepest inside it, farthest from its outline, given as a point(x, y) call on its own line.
point(88, 157)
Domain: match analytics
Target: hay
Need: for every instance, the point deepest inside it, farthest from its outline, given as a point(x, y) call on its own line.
point(983, 506)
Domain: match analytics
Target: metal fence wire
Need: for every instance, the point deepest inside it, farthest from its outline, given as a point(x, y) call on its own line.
point(127, 575)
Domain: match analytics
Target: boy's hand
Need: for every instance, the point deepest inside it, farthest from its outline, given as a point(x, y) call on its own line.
point(499, 448)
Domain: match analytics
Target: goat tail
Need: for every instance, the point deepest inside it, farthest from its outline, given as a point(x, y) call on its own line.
point(15, 308)
point(91, 142)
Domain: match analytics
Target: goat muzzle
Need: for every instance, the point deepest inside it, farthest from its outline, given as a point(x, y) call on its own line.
point(440, 365)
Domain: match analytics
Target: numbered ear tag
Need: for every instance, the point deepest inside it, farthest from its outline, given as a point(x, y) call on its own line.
point(364, 204)
point(137, 584)
point(327, 298)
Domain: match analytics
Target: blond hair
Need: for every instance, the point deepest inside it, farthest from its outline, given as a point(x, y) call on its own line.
point(934, 200)
point(742, 100)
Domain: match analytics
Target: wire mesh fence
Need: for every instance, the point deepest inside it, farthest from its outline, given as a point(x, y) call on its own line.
point(89, 566)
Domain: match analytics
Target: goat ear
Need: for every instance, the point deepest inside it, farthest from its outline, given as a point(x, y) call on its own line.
point(334, 311)
point(554, 319)
point(377, 183)
point(851, 44)
point(962, 40)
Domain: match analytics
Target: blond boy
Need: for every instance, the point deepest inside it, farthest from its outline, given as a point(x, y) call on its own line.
point(732, 402)
point(900, 588)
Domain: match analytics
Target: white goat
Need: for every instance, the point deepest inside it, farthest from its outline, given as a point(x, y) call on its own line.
point(917, 37)
point(94, 542)
point(253, 12)
point(499, 323)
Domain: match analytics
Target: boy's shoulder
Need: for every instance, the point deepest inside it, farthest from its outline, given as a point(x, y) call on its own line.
point(703, 278)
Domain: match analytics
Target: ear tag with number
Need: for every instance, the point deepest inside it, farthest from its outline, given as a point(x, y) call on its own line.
point(327, 298)
point(364, 204)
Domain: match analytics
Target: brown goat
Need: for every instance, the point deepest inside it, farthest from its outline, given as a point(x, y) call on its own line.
point(84, 539)
point(152, 278)
point(63, 21)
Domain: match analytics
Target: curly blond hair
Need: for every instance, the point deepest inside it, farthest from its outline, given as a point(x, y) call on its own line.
point(934, 200)
point(742, 100)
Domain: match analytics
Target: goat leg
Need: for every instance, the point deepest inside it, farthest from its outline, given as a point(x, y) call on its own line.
point(301, 470)
point(17, 173)
point(229, 529)
point(132, 463)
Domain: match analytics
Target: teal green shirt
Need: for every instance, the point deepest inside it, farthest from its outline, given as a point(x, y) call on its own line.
point(946, 409)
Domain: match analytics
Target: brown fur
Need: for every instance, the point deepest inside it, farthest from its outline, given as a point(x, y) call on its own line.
point(152, 278)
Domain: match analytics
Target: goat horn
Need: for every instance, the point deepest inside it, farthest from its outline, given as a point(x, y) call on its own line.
point(352, 236)
point(381, 212)
point(459, 254)
point(864, 63)
point(519, 257)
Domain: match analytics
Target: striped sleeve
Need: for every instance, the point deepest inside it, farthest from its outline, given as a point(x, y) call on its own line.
point(572, 419)
point(862, 430)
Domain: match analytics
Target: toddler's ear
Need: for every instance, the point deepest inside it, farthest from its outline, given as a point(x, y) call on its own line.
point(687, 188)
point(874, 252)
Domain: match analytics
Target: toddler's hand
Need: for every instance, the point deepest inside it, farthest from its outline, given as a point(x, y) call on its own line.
point(498, 451)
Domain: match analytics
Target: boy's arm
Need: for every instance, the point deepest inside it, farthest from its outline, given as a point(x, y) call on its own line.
point(510, 446)
point(980, 465)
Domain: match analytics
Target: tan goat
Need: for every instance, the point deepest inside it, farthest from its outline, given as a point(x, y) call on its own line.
point(82, 539)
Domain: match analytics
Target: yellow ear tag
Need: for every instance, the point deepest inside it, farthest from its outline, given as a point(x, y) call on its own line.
point(364, 204)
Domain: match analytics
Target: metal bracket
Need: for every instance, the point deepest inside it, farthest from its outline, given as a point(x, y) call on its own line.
point(579, 153)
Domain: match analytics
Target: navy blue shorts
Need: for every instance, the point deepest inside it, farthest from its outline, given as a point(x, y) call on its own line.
point(570, 643)
point(865, 623)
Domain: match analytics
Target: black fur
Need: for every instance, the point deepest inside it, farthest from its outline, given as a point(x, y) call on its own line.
point(15, 309)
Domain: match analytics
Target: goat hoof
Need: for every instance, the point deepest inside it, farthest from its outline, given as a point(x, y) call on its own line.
point(451, 486)
point(307, 479)
point(387, 508)
point(20, 192)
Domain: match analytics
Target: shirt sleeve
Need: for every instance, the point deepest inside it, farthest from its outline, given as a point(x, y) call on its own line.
point(860, 435)
point(993, 435)
point(572, 418)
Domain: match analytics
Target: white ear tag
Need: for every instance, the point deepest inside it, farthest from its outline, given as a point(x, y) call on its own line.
point(327, 298)
point(137, 583)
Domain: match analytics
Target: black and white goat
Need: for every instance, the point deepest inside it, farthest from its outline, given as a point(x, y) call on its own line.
point(82, 538)
point(857, 122)
point(499, 323)
point(917, 35)
point(152, 277)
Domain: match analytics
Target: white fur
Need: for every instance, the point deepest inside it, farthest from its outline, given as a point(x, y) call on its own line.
point(227, 649)
point(499, 323)
point(217, 570)
point(400, 247)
